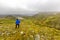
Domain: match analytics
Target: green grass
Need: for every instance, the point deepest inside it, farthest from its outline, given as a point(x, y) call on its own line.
point(29, 28)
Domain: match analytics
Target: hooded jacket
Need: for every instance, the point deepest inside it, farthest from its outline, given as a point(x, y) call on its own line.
point(17, 21)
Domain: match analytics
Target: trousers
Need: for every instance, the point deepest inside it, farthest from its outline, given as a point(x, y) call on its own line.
point(17, 25)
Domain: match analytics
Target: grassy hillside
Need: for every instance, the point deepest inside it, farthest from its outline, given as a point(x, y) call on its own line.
point(31, 28)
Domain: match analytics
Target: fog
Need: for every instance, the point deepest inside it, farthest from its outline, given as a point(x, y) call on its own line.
point(28, 7)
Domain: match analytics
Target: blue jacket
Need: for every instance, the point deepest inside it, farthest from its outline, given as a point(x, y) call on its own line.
point(17, 21)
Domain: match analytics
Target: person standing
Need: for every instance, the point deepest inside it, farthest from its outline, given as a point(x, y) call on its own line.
point(17, 23)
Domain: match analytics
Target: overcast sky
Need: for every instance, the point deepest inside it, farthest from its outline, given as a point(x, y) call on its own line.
point(28, 6)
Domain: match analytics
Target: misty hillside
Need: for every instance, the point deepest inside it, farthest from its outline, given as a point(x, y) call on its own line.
point(48, 19)
point(40, 26)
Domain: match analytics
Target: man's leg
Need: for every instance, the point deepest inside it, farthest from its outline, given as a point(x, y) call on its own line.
point(16, 25)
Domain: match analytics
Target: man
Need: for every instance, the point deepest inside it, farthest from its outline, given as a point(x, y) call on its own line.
point(17, 23)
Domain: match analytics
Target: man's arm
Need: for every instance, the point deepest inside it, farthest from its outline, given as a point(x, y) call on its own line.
point(19, 21)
